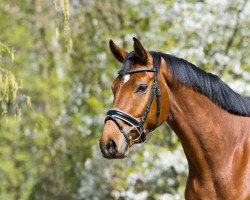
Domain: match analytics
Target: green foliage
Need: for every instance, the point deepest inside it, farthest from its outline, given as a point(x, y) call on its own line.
point(55, 93)
point(8, 90)
point(9, 86)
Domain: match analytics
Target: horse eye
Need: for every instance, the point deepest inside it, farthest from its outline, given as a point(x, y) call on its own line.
point(142, 88)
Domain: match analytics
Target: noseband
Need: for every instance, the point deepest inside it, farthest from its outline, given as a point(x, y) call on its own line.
point(114, 114)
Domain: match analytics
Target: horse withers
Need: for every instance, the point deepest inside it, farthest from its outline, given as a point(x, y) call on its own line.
point(210, 119)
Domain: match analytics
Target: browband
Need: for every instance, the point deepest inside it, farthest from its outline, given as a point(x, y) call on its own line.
point(142, 69)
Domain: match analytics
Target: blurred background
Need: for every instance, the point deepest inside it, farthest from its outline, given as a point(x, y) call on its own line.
point(55, 76)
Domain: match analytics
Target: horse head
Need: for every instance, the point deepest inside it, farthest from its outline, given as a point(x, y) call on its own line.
point(141, 101)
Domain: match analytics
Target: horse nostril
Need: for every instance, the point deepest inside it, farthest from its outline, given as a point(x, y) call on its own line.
point(111, 147)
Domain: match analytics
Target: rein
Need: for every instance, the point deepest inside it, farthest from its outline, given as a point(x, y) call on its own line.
point(114, 114)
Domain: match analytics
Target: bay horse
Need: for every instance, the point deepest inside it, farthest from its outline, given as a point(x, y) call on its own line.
point(210, 119)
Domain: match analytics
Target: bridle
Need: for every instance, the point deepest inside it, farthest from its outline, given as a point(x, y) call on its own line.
point(114, 114)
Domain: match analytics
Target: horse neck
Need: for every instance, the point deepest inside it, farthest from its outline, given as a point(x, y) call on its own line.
point(204, 129)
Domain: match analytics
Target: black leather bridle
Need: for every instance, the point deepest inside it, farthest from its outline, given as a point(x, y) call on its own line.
point(114, 114)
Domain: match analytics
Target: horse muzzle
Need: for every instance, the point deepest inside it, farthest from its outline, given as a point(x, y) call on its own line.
point(111, 151)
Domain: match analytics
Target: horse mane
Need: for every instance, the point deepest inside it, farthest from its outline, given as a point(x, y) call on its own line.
point(207, 84)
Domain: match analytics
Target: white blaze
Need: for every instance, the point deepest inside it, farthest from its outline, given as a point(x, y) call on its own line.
point(126, 78)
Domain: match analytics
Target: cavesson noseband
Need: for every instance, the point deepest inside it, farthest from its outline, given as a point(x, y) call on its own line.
point(114, 114)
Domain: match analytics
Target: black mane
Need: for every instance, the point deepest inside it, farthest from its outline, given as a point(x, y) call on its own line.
point(209, 85)
point(205, 83)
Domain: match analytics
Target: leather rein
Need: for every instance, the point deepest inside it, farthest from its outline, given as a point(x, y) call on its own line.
point(114, 114)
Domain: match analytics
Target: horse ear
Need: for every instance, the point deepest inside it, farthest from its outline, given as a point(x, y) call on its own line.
point(139, 50)
point(118, 52)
